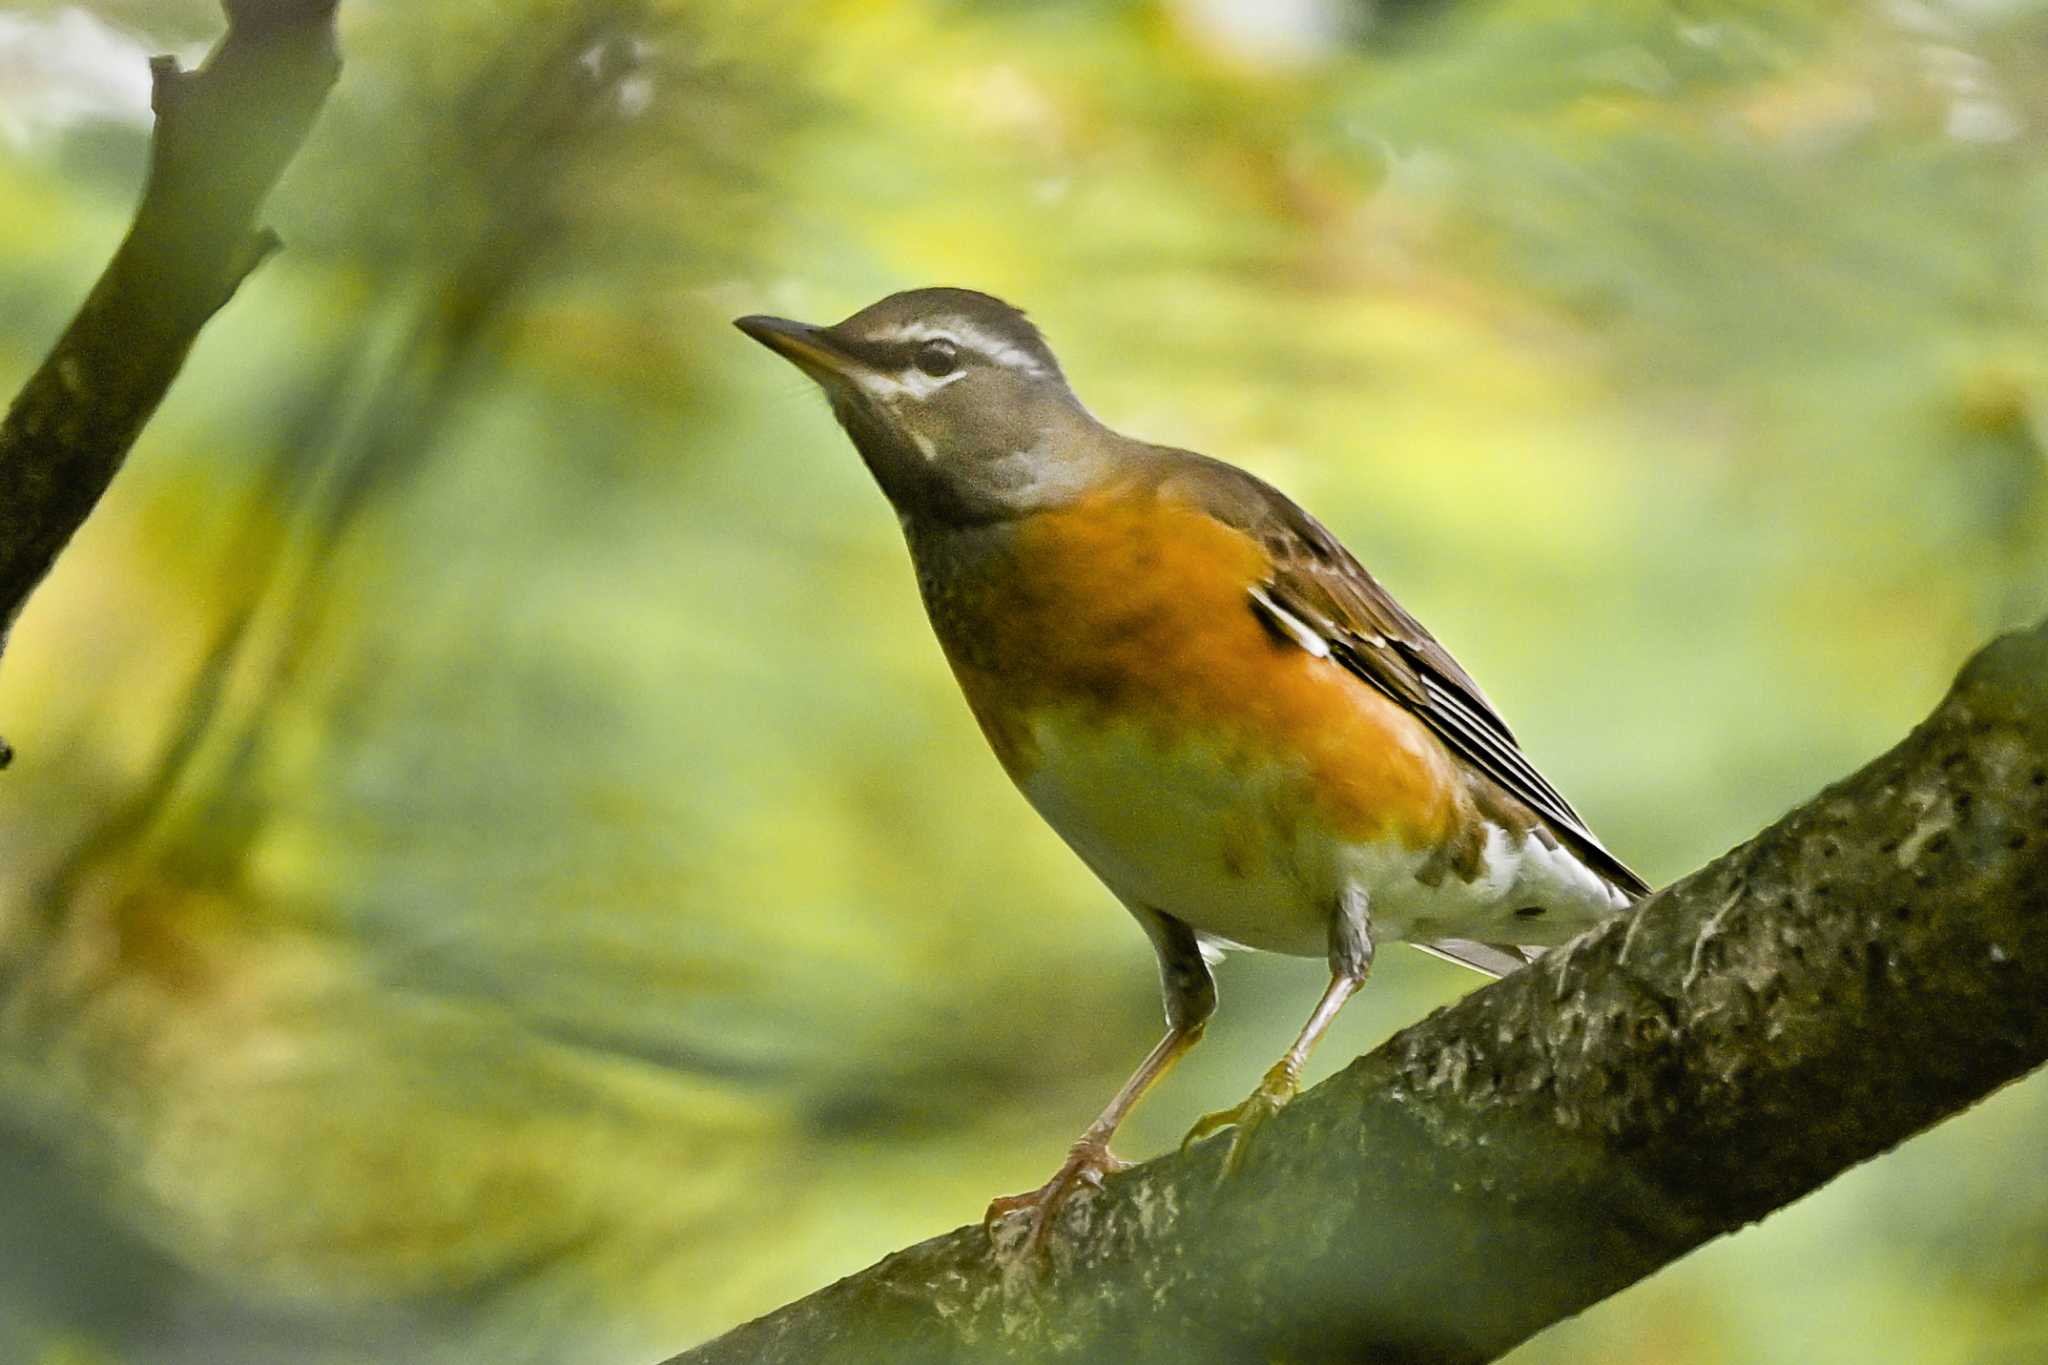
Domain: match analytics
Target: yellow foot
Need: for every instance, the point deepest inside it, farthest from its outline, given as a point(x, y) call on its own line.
point(1272, 1095)
point(1087, 1162)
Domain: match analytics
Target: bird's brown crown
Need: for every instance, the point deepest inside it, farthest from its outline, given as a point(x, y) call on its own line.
point(954, 400)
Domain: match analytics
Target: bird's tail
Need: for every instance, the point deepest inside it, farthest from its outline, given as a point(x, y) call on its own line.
point(1494, 959)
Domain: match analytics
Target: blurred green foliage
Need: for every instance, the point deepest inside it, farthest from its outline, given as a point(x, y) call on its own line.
point(497, 868)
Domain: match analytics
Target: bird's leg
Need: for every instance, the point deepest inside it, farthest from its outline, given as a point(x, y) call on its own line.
point(1190, 999)
point(1089, 1159)
point(1350, 962)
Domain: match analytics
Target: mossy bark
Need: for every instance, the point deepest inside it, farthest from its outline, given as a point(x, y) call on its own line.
point(1875, 961)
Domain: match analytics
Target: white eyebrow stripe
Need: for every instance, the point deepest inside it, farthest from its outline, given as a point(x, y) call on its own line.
point(908, 331)
point(966, 334)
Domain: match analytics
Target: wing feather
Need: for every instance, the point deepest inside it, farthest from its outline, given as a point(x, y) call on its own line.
point(1323, 599)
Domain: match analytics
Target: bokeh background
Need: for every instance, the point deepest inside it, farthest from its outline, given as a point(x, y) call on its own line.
point(497, 868)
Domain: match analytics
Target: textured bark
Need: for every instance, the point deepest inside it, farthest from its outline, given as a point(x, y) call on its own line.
point(1875, 961)
point(223, 135)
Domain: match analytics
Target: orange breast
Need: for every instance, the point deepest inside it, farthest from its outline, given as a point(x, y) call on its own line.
point(1134, 607)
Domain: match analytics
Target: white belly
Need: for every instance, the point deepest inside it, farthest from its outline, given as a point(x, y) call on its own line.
point(1217, 839)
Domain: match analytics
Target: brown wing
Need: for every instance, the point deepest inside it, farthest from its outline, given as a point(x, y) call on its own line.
point(1319, 595)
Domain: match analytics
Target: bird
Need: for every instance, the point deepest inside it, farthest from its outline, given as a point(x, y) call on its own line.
point(1203, 692)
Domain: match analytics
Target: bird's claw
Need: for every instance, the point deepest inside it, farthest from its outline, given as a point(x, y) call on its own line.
point(1273, 1094)
point(1087, 1163)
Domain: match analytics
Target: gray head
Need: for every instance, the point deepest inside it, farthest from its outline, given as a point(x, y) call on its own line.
point(952, 398)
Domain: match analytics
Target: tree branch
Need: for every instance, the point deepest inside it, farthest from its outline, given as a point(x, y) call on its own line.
point(223, 135)
point(1875, 961)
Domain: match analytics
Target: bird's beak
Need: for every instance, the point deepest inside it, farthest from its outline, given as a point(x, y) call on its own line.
point(805, 346)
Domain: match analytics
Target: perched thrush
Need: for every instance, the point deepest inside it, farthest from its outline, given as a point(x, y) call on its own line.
point(1229, 720)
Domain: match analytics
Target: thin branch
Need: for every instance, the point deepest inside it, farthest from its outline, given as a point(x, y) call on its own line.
point(1875, 961)
point(224, 133)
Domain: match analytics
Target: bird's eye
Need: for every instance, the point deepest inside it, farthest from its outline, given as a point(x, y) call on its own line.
point(937, 358)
